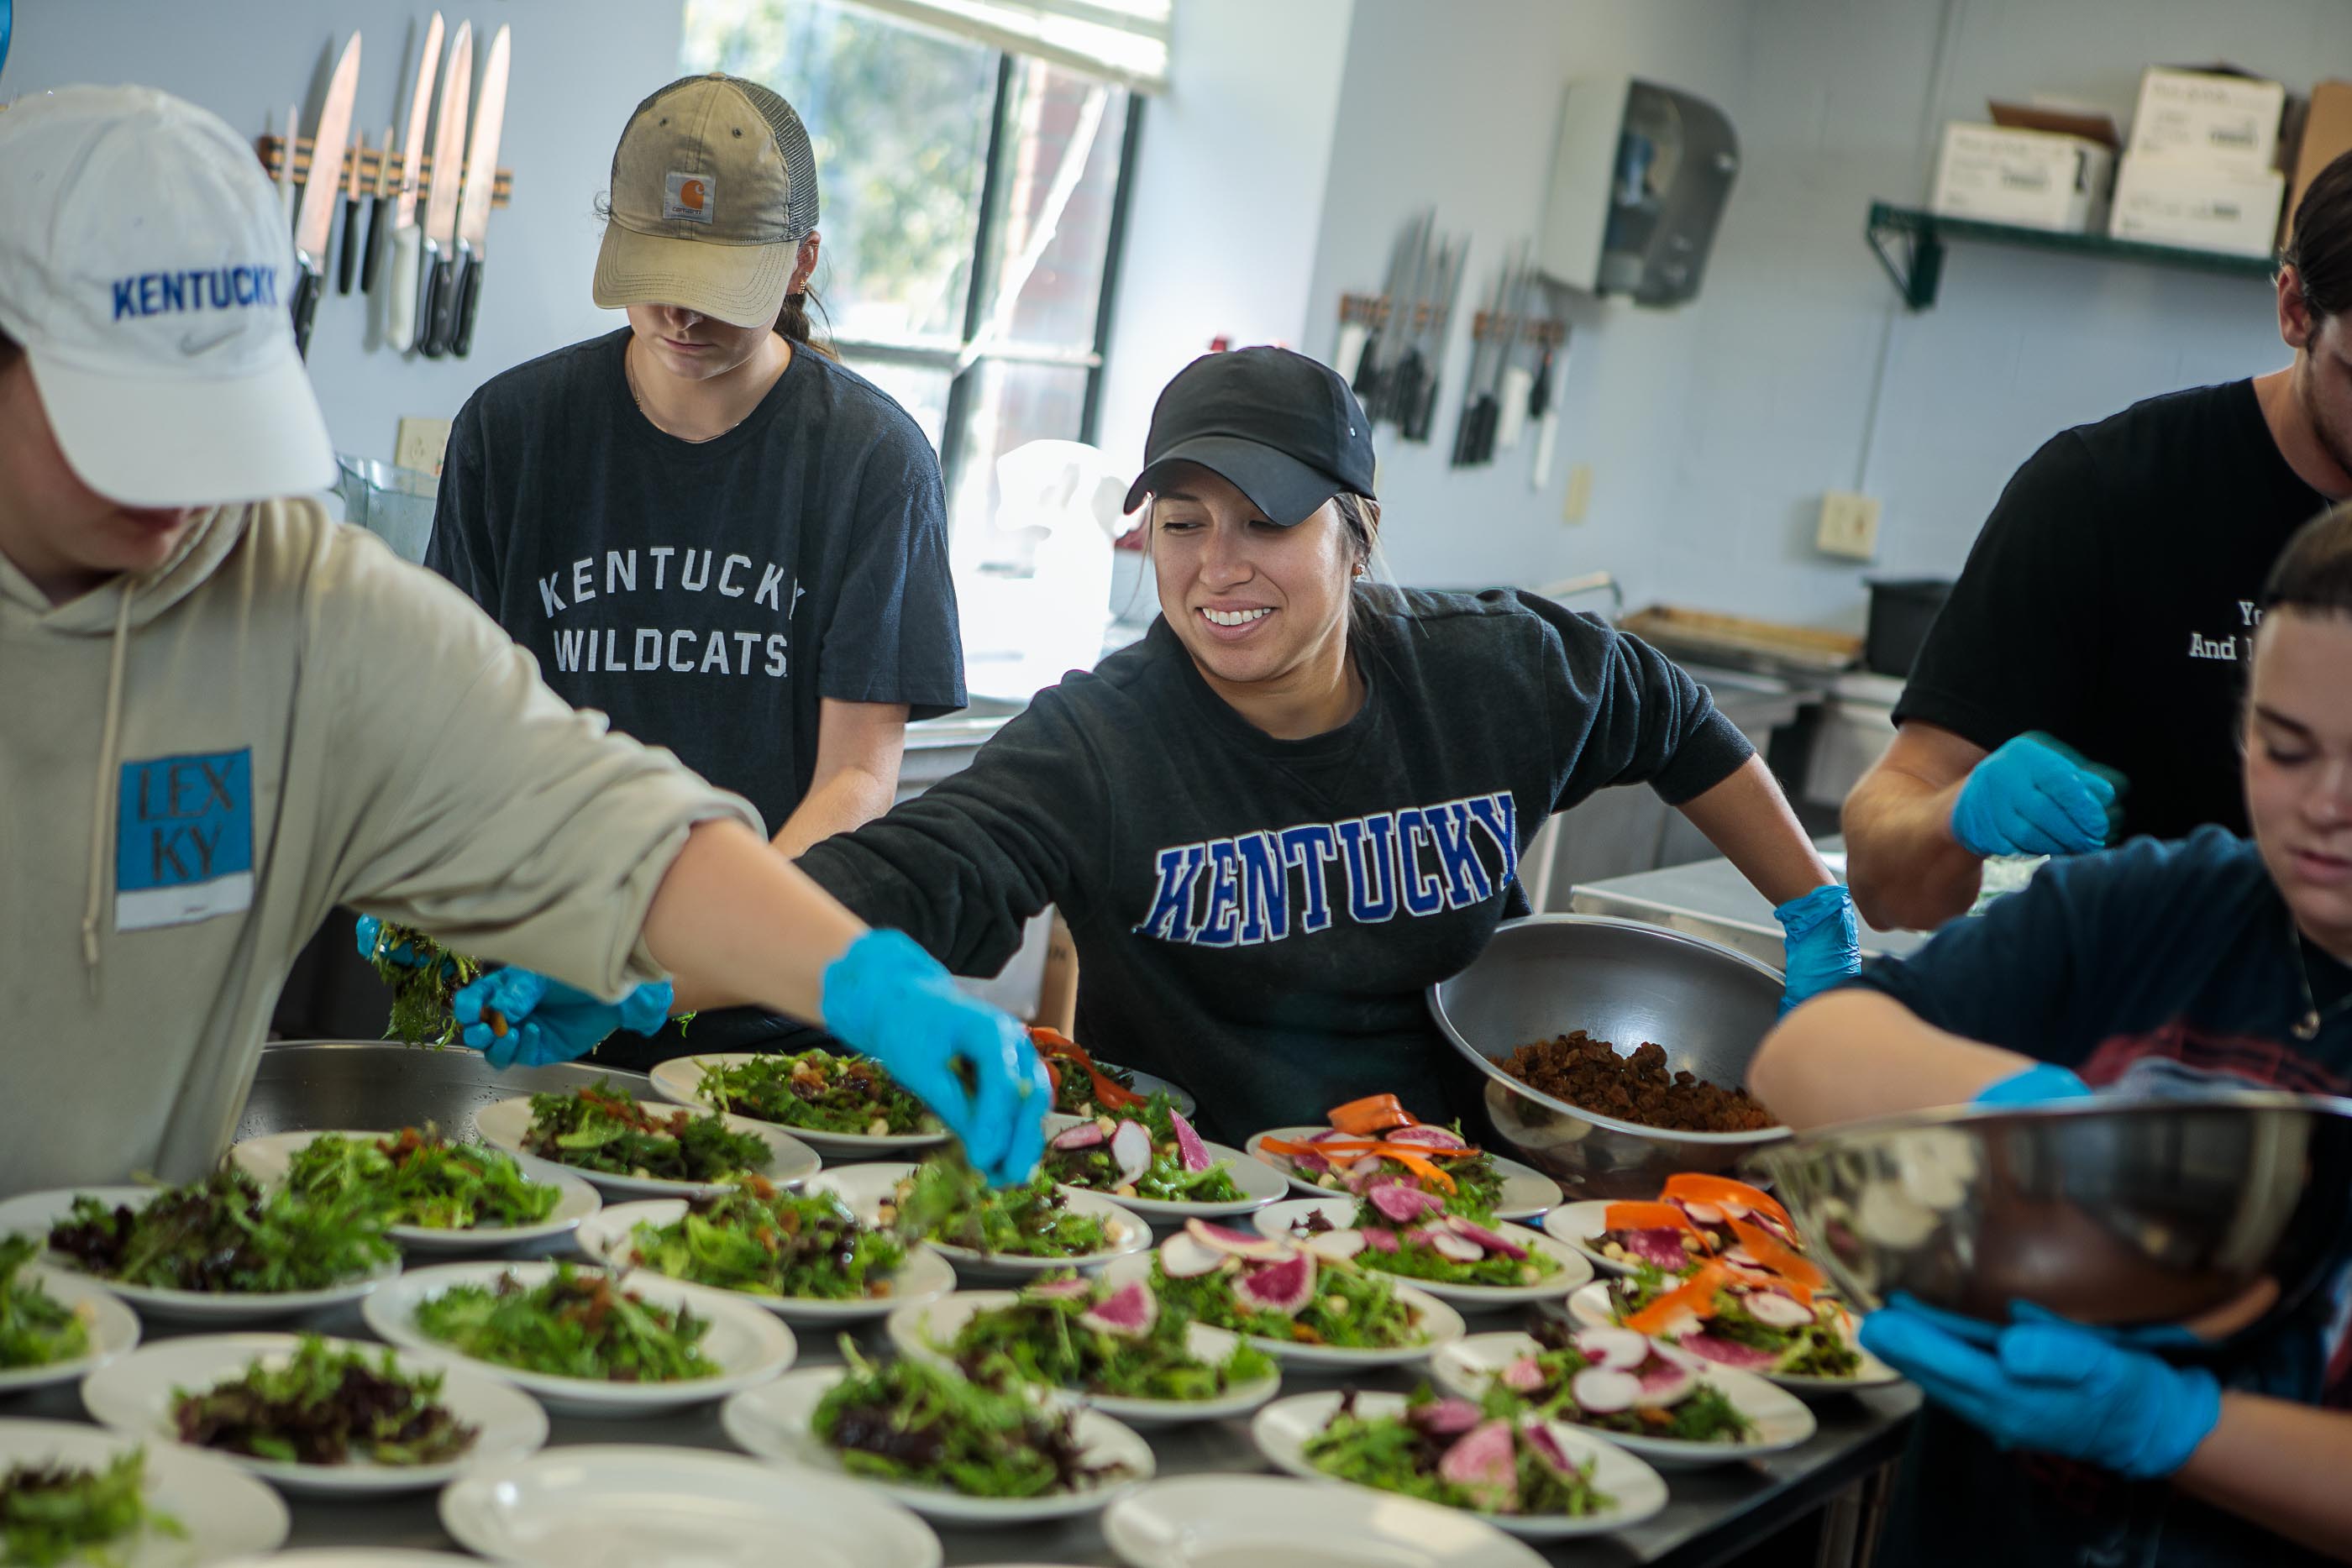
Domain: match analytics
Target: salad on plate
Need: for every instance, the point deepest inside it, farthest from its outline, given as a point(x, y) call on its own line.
point(325, 1405)
point(1406, 1231)
point(817, 1090)
point(227, 1233)
point(1741, 1317)
point(1074, 1333)
point(1500, 1459)
point(1083, 1086)
point(35, 1328)
point(1272, 1290)
point(763, 1240)
point(1376, 1141)
point(1146, 1149)
point(1615, 1381)
point(59, 1512)
point(579, 1323)
point(601, 1128)
point(1696, 1216)
point(416, 1176)
point(947, 1201)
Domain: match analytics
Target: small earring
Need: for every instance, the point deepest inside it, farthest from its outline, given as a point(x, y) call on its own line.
point(1360, 568)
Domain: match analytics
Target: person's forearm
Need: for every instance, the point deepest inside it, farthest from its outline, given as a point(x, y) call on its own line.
point(2281, 1465)
point(737, 924)
point(1856, 1054)
point(848, 798)
point(1748, 819)
point(1905, 870)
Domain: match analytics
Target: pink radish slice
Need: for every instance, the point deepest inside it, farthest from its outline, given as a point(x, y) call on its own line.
point(1460, 1248)
point(1284, 1287)
point(1444, 1417)
point(1127, 1311)
point(1186, 1256)
point(1060, 1290)
point(1620, 1350)
point(1381, 1240)
point(1728, 1352)
point(1434, 1138)
point(1604, 1390)
point(1130, 1145)
point(1240, 1243)
point(1085, 1135)
point(1740, 1254)
point(1663, 1383)
point(1703, 1213)
point(1777, 1311)
point(1336, 1245)
point(1402, 1203)
point(1192, 1153)
point(1484, 1464)
point(1661, 1247)
point(1492, 1240)
point(1547, 1447)
point(1522, 1376)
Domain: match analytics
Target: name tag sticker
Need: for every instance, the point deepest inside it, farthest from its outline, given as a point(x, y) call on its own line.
point(183, 840)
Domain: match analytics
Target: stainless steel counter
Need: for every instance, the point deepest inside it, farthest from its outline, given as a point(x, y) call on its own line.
point(1710, 899)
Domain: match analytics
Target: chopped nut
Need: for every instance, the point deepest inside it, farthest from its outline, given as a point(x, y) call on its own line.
point(878, 1127)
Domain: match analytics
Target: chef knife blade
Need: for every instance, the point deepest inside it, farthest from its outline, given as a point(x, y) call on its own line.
point(347, 263)
point(438, 257)
point(380, 197)
point(481, 176)
point(399, 305)
point(318, 194)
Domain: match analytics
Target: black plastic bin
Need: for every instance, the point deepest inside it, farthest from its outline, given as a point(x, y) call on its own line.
point(1901, 610)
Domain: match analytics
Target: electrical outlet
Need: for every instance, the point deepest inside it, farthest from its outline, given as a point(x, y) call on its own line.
point(420, 444)
point(1580, 493)
point(1849, 526)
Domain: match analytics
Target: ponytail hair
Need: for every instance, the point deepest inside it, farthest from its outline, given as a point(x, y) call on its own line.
point(796, 327)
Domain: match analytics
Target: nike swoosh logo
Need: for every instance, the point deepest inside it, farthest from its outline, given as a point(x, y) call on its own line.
point(200, 343)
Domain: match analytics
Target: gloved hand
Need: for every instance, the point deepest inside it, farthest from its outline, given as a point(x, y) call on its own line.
point(2053, 1386)
point(1825, 943)
point(370, 934)
point(888, 999)
point(2042, 1083)
point(2036, 796)
point(546, 1021)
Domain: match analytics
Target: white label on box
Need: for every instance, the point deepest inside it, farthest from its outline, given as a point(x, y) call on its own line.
point(2197, 116)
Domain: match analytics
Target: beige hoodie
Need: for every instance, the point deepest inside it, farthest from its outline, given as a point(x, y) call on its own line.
point(195, 765)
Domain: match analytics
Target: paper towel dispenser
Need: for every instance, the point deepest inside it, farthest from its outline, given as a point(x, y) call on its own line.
point(1638, 185)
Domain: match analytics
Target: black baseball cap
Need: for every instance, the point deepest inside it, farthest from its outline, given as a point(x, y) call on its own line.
point(1284, 429)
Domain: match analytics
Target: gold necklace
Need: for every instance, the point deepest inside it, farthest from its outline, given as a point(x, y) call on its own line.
point(629, 379)
point(2308, 1026)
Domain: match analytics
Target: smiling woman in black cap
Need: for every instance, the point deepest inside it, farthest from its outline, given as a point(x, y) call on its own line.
point(1301, 798)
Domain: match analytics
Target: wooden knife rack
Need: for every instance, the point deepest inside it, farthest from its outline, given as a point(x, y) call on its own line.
point(1373, 311)
point(272, 152)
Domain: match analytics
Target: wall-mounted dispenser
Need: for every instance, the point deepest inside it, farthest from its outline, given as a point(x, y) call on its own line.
point(1638, 184)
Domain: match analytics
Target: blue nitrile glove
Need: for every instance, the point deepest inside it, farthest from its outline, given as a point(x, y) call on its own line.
point(2035, 796)
point(370, 932)
point(2055, 1387)
point(1825, 943)
point(548, 1022)
point(2043, 1081)
point(888, 999)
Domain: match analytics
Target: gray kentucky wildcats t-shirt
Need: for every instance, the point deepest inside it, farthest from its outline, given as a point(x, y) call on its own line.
point(707, 595)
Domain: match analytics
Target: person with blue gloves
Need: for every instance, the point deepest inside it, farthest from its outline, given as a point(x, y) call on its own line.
point(2174, 969)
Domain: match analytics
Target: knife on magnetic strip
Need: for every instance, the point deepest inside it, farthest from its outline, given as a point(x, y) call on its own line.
point(438, 261)
point(321, 193)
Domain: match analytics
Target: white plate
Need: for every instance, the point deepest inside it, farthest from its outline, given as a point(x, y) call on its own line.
point(266, 1160)
point(37, 1211)
point(1573, 1270)
point(678, 1081)
point(750, 1345)
point(926, 1276)
point(226, 1512)
point(914, 1329)
point(1580, 1225)
point(1636, 1490)
point(1440, 1324)
point(772, 1423)
point(135, 1396)
point(350, 1557)
point(1526, 1191)
point(865, 1188)
point(1243, 1522)
point(1780, 1417)
point(114, 1328)
point(601, 1503)
point(502, 1123)
point(1260, 1183)
point(1589, 1305)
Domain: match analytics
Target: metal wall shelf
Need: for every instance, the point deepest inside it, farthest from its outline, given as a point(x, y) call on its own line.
point(1923, 236)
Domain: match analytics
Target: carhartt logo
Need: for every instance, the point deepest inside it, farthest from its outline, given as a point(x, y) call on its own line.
point(688, 197)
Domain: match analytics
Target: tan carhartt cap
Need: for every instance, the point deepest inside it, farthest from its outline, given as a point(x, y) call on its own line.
point(714, 187)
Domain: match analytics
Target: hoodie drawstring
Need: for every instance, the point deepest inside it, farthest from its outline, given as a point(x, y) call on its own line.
point(105, 806)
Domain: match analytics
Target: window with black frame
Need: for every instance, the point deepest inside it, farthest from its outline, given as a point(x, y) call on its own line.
point(972, 206)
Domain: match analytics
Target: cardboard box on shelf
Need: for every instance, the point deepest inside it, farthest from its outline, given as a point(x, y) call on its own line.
point(2208, 117)
point(2327, 135)
point(2035, 179)
point(2160, 202)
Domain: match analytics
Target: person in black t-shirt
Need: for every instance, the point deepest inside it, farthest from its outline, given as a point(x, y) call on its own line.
point(2171, 969)
point(2082, 682)
point(703, 525)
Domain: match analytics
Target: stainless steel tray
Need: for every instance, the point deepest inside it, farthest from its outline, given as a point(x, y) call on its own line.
point(318, 1084)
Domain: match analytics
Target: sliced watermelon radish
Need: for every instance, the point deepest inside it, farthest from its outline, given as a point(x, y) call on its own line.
point(1190, 1150)
point(1127, 1311)
point(1447, 1245)
point(1702, 1213)
point(1130, 1145)
point(1446, 1417)
point(1604, 1390)
point(1546, 1445)
point(1404, 1204)
point(1664, 1381)
point(1484, 1464)
point(1661, 1247)
point(1620, 1350)
point(1774, 1309)
point(1422, 1133)
point(1060, 1290)
point(1184, 1256)
point(1728, 1352)
point(1492, 1240)
point(1336, 1245)
point(1381, 1240)
point(1238, 1243)
point(1523, 1375)
point(1085, 1135)
point(1284, 1287)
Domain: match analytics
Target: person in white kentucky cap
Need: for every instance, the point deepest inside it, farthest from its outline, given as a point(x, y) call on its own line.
point(222, 714)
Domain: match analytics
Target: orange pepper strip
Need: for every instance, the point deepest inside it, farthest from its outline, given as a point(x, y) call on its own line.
point(1692, 1188)
point(1372, 1114)
point(1773, 1253)
point(1694, 1296)
point(1650, 1217)
point(1109, 1093)
point(1412, 1156)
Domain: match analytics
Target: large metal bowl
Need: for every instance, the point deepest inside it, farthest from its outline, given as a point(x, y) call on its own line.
point(2108, 1211)
point(1627, 983)
point(315, 1085)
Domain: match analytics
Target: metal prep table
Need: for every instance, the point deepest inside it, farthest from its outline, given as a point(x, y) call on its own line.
point(1709, 899)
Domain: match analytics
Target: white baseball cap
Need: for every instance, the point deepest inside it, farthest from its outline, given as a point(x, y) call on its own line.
point(146, 268)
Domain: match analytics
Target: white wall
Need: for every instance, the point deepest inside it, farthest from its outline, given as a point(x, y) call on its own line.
point(579, 67)
point(1228, 197)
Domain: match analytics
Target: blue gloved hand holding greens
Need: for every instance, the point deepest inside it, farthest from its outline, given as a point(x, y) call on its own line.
point(516, 1018)
point(2036, 796)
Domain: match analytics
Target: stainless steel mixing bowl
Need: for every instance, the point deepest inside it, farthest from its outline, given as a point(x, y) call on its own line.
point(1627, 983)
point(306, 1085)
point(2108, 1211)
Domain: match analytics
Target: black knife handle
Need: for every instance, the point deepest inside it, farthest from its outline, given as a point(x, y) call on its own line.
point(439, 311)
point(368, 256)
point(470, 289)
point(351, 251)
point(306, 306)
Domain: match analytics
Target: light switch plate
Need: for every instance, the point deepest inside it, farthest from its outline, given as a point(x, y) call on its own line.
point(1849, 526)
point(1580, 493)
point(420, 444)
